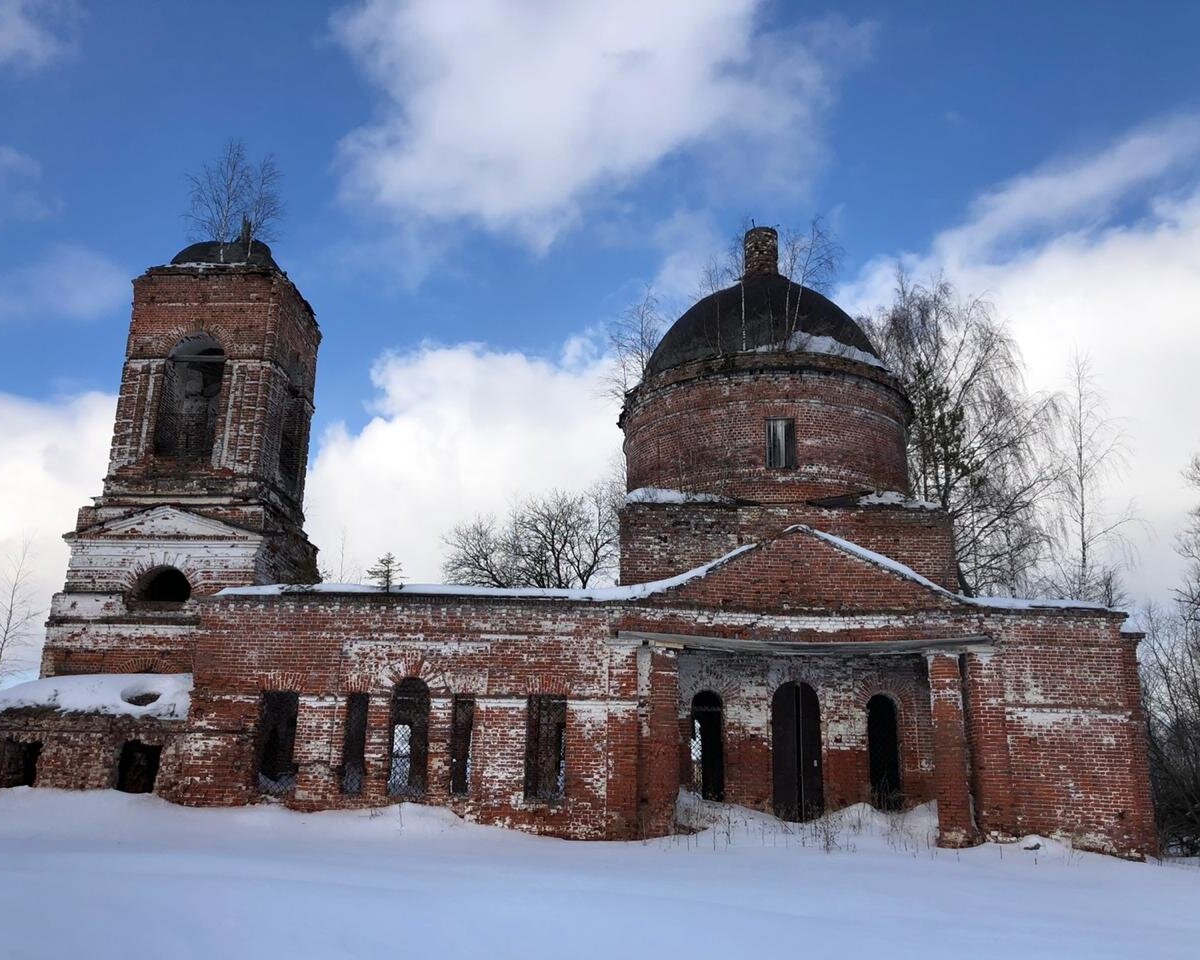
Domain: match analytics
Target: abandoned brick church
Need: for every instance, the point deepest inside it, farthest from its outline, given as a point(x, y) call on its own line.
point(787, 635)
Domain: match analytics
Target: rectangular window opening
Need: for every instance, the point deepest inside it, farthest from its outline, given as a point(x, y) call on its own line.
point(462, 726)
point(137, 769)
point(278, 713)
point(354, 748)
point(546, 748)
point(18, 763)
point(781, 443)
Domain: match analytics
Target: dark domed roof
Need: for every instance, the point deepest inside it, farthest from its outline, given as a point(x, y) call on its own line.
point(235, 251)
point(762, 312)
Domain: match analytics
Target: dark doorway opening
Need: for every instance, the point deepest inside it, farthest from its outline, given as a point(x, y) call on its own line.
point(278, 713)
point(18, 763)
point(708, 750)
point(796, 753)
point(138, 767)
point(883, 749)
point(461, 726)
point(354, 745)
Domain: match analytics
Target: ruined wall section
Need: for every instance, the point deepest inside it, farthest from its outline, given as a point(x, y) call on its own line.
point(326, 646)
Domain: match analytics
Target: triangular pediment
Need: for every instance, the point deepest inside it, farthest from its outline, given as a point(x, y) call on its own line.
point(168, 523)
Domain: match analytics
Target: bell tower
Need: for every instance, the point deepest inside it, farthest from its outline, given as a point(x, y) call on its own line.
point(206, 472)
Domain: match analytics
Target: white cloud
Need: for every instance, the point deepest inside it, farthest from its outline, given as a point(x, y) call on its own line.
point(457, 431)
point(54, 453)
point(67, 282)
point(34, 33)
point(513, 115)
point(20, 198)
point(1067, 274)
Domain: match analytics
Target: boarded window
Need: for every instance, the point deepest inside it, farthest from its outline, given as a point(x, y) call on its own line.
point(462, 725)
point(278, 712)
point(546, 748)
point(354, 748)
point(708, 753)
point(18, 763)
point(138, 767)
point(189, 405)
point(781, 442)
point(410, 738)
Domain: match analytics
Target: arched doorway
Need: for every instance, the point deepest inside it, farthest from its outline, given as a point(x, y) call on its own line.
point(796, 752)
point(708, 750)
point(883, 750)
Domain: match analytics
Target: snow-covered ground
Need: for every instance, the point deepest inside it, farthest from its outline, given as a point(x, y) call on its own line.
point(94, 875)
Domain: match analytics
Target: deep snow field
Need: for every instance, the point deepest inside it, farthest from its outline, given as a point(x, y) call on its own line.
point(105, 874)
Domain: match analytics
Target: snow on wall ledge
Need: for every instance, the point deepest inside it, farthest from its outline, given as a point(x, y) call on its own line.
point(634, 591)
point(107, 693)
point(662, 495)
point(893, 498)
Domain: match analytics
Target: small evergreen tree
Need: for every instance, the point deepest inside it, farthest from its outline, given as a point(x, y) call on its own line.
point(386, 572)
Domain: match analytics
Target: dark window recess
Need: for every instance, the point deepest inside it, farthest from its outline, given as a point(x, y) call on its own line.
point(189, 405)
point(138, 767)
point(164, 585)
point(546, 748)
point(462, 724)
point(883, 750)
point(708, 751)
point(781, 442)
point(354, 749)
point(410, 738)
point(291, 441)
point(18, 763)
point(278, 713)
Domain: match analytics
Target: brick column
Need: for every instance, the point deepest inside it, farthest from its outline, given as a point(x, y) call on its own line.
point(987, 730)
point(951, 783)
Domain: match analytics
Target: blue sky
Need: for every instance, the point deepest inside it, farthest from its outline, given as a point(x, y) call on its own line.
point(509, 175)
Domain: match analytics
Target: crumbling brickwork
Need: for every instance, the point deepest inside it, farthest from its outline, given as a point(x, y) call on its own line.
point(572, 714)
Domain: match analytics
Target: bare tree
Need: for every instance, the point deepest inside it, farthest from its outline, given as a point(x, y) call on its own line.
point(1170, 670)
point(557, 540)
point(18, 612)
point(341, 567)
point(1188, 546)
point(810, 256)
point(232, 198)
point(979, 441)
point(632, 339)
point(1088, 534)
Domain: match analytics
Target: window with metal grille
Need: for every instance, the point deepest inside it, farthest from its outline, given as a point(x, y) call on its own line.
point(781, 442)
point(461, 727)
point(354, 747)
point(546, 748)
point(278, 713)
point(410, 738)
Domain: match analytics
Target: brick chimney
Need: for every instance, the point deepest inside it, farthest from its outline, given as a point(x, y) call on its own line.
point(761, 256)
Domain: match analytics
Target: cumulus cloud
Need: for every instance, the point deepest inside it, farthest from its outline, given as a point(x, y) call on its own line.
point(67, 282)
point(457, 430)
point(1098, 254)
point(20, 196)
point(34, 33)
point(54, 453)
point(513, 115)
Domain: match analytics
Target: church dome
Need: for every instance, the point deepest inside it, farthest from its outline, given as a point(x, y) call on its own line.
point(256, 254)
point(763, 312)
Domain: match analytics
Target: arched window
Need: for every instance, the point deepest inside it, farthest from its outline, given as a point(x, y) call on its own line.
point(188, 406)
point(708, 750)
point(410, 738)
point(799, 792)
point(163, 585)
point(883, 750)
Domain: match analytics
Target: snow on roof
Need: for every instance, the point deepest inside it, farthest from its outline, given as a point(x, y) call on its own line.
point(662, 495)
point(633, 591)
point(894, 498)
point(108, 693)
point(900, 569)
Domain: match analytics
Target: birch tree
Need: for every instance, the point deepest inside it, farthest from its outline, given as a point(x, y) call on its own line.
point(19, 613)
